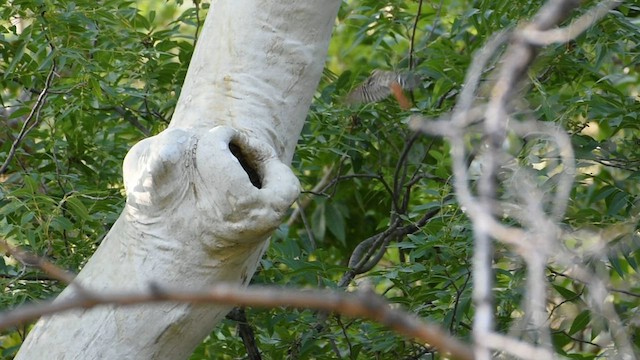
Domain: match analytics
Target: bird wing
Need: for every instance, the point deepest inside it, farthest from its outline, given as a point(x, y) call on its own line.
point(378, 86)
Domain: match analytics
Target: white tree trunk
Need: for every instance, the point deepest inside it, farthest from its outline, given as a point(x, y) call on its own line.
point(193, 216)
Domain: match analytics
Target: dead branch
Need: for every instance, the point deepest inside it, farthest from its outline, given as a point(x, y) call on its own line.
point(30, 259)
point(358, 305)
point(537, 235)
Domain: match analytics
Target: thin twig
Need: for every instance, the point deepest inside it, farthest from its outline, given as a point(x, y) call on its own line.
point(584, 281)
point(457, 301)
point(318, 189)
point(27, 126)
point(306, 224)
point(127, 115)
point(198, 22)
point(400, 173)
point(413, 35)
point(246, 333)
point(30, 259)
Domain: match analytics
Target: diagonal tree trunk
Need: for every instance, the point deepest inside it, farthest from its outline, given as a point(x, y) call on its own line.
point(204, 195)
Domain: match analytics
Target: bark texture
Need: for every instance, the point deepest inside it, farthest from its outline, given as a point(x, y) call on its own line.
point(204, 195)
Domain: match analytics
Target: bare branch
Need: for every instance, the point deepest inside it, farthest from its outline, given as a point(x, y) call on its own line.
point(127, 115)
point(516, 347)
point(359, 305)
point(30, 259)
point(536, 237)
point(413, 33)
point(562, 35)
point(246, 332)
point(317, 189)
point(400, 172)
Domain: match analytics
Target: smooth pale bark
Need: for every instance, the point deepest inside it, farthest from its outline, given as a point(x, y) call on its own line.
point(193, 217)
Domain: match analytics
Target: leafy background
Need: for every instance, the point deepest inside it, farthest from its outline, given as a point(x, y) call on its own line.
point(117, 70)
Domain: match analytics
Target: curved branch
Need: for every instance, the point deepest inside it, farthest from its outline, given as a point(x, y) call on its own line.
point(562, 35)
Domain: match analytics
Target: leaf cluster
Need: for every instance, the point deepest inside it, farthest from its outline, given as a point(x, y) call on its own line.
point(118, 67)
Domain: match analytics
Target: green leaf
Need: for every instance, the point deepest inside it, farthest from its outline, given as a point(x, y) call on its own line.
point(335, 222)
point(10, 208)
point(19, 53)
point(319, 222)
point(26, 218)
point(617, 202)
point(566, 293)
point(60, 223)
point(617, 266)
point(77, 208)
point(580, 322)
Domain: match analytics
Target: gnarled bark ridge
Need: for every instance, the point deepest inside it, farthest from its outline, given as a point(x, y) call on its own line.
point(204, 195)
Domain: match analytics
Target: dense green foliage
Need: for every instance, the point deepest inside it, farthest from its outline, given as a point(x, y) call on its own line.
point(116, 69)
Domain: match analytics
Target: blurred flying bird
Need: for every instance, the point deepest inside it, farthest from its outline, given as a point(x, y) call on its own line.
point(383, 83)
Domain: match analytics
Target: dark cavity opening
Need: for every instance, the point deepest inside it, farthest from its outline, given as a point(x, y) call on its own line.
point(248, 167)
